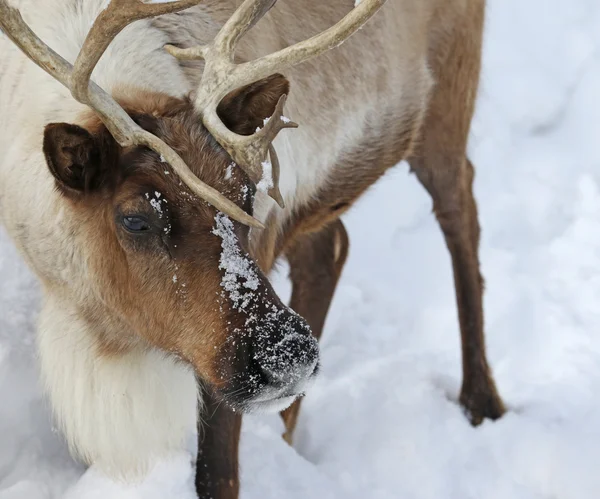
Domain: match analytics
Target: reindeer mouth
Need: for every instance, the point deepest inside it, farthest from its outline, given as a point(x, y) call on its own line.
point(277, 404)
point(277, 400)
point(270, 398)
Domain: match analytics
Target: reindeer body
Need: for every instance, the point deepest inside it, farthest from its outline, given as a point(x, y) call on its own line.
point(360, 108)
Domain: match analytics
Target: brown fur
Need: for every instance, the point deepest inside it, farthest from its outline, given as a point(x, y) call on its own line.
point(218, 442)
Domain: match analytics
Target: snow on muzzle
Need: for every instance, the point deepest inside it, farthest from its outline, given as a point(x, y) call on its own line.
point(276, 360)
point(270, 355)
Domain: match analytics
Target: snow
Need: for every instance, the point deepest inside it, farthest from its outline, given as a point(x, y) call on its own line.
point(229, 171)
point(382, 420)
point(156, 203)
point(266, 181)
point(240, 280)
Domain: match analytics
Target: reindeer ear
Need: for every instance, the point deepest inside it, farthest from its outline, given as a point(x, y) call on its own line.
point(73, 156)
point(244, 110)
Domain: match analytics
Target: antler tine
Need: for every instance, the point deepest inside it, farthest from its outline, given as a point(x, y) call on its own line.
point(250, 151)
point(258, 144)
point(119, 123)
point(265, 137)
point(275, 123)
point(246, 16)
point(221, 76)
point(225, 43)
point(274, 191)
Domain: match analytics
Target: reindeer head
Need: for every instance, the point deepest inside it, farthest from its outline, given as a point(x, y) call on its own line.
point(169, 268)
point(161, 207)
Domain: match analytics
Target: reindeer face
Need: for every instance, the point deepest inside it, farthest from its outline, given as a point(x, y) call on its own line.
point(170, 271)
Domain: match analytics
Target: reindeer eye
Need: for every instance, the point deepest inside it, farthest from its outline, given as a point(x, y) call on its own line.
point(135, 224)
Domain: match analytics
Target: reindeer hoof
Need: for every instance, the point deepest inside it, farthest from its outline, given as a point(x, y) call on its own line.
point(289, 438)
point(480, 404)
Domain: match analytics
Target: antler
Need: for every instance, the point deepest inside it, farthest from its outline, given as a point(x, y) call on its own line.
point(126, 132)
point(221, 76)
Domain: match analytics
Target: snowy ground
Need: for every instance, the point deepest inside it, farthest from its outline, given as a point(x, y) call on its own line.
point(382, 421)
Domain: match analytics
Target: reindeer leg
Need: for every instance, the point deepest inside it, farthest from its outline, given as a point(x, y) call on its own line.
point(218, 438)
point(316, 261)
point(442, 167)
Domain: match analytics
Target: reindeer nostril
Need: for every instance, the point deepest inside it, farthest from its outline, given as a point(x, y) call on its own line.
point(291, 360)
point(288, 357)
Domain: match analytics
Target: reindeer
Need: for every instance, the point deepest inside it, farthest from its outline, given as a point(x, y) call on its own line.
point(139, 178)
